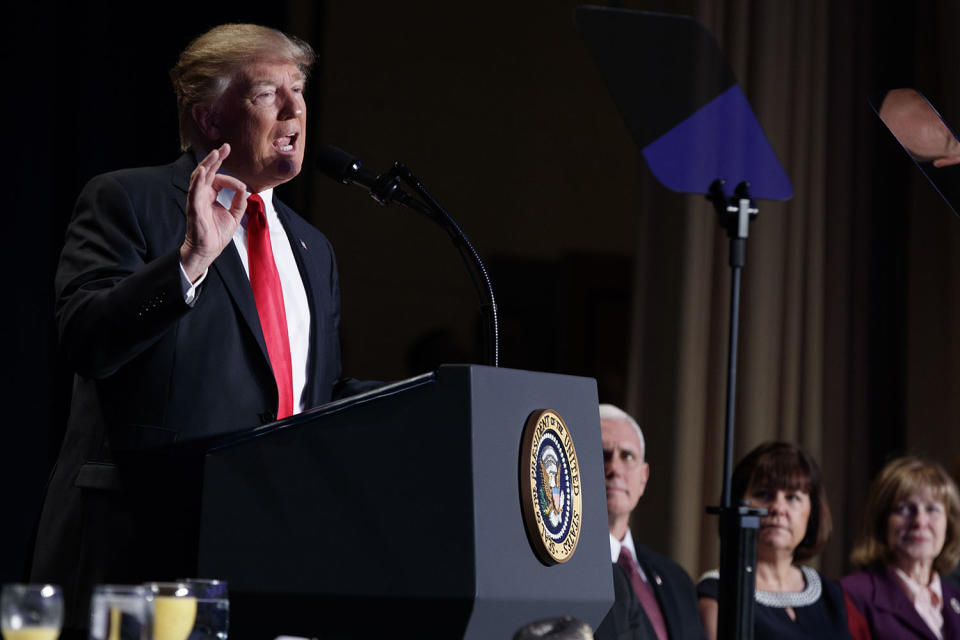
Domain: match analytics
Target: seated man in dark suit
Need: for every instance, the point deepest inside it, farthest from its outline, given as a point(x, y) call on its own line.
point(626, 619)
point(663, 588)
point(190, 302)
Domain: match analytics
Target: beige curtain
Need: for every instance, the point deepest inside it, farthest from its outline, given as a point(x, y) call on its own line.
point(779, 56)
point(826, 349)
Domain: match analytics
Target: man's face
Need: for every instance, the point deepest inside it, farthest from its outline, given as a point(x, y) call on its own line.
point(262, 114)
point(624, 466)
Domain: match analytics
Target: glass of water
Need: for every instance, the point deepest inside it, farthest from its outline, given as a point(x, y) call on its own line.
point(213, 608)
point(121, 612)
point(31, 612)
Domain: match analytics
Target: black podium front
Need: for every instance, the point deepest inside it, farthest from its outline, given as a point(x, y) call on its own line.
point(398, 512)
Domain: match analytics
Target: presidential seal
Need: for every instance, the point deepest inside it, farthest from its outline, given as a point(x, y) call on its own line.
point(550, 494)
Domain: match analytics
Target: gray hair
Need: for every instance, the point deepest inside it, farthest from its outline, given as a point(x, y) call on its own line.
point(612, 412)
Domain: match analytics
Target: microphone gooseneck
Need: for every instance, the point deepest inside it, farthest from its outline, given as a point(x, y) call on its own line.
point(386, 188)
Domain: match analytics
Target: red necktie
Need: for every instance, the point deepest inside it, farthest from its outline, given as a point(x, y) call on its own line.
point(644, 593)
point(268, 294)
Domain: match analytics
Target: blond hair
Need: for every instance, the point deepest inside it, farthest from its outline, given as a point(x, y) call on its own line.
point(207, 65)
point(898, 480)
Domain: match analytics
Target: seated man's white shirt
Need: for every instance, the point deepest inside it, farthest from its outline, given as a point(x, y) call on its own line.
point(628, 543)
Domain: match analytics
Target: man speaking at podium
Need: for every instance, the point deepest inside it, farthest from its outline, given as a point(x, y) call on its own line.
point(190, 302)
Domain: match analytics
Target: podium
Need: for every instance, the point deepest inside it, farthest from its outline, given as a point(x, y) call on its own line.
point(398, 511)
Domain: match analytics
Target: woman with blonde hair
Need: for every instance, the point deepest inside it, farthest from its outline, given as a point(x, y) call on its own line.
point(910, 536)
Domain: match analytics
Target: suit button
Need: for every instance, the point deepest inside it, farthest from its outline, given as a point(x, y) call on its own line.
point(267, 417)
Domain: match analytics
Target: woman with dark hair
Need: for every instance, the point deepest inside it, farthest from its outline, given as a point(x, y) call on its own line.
point(910, 536)
point(792, 601)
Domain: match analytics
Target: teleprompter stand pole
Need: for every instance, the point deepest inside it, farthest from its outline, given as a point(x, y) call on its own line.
point(738, 524)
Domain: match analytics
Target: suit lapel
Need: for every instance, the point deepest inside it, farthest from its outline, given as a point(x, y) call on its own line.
point(889, 597)
point(951, 611)
point(656, 584)
point(230, 269)
point(301, 252)
point(228, 265)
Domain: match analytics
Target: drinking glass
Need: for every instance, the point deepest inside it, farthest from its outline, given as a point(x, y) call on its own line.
point(213, 608)
point(31, 612)
point(121, 612)
point(174, 610)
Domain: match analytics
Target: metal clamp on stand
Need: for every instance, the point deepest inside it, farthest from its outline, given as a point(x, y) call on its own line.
point(738, 559)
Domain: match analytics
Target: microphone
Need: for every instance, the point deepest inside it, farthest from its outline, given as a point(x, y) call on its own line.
point(385, 188)
point(347, 169)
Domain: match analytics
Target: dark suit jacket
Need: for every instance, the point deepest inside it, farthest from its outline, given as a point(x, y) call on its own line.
point(888, 611)
point(953, 577)
point(152, 371)
point(626, 619)
point(675, 593)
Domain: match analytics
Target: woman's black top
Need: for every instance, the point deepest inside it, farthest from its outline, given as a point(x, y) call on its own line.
point(820, 609)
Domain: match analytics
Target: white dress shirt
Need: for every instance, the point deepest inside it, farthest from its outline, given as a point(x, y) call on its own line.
point(294, 294)
point(627, 542)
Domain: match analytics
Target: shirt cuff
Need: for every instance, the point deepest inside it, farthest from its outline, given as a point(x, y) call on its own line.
point(190, 289)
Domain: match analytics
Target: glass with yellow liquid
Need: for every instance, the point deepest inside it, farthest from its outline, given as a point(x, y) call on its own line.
point(213, 608)
point(174, 610)
point(121, 612)
point(31, 612)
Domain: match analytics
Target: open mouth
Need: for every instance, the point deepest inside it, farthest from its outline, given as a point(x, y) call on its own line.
point(285, 144)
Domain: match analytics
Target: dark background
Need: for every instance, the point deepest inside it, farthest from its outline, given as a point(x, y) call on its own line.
point(499, 110)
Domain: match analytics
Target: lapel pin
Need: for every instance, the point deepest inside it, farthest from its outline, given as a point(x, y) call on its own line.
point(955, 605)
point(657, 580)
point(303, 244)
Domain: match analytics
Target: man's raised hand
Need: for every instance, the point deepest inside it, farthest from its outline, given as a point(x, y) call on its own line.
point(210, 227)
